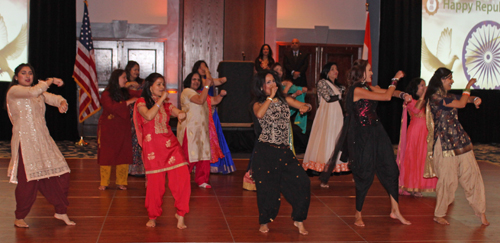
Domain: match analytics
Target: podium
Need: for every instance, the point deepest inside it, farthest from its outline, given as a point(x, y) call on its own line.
point(234, 110)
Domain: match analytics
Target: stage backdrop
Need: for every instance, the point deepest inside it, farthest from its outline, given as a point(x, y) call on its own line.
point(400, 49)
point(463, 36)
point(52, 49)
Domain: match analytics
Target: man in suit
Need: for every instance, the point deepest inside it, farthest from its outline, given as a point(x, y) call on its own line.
point(296, 64)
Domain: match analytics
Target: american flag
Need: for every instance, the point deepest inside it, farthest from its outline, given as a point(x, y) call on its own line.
point(85, 73)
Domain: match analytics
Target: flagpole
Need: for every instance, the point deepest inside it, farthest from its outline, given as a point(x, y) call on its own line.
point(82, 142)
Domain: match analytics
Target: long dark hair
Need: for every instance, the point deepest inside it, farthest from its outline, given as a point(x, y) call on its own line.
point(258, 94)
point(269, 56)
point(187, 80)
point(146, 91)
point(16, 72)
point(128, 68)
point(435, 84)
point(197, 65)
point(326, 70)
point(283, 76)
point(116, 92)
point(412, 87)
point(357, 72)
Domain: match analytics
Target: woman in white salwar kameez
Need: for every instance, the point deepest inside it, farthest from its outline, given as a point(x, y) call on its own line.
point(327, 124)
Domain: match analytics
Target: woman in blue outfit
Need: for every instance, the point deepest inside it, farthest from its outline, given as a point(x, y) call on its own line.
point(223, 165)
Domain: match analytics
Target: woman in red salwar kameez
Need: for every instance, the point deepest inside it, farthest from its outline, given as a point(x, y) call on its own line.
point(162, 154)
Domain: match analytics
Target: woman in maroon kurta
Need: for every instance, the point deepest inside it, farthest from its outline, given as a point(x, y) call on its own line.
point(162, 153)
point(114, 133)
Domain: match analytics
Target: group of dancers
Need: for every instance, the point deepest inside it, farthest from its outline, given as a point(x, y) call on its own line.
point(440, 158)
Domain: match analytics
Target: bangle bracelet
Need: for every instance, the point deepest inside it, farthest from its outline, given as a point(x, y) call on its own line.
point(207, 87)
point(395, 79)
point(394, 82)
point(475, 99)
point(402, 95)
point(157, 105)
point(269, 98)
point(466, 93)
point(392, 85)
point(467, 90)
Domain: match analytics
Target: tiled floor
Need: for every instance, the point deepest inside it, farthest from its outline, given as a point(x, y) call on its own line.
point(226, 213)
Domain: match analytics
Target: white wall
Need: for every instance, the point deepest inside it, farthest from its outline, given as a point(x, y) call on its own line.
point(336, 14)
point(134, 11)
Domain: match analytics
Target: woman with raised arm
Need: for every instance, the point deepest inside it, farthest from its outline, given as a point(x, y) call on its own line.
point(134, 82)
point(265, 59)
point(412, 149)
point(193, 133)
point(114, 130)
point(275, 168)
point(162, 152)
point(222, 161)
point(36, 163)
point(453, 159)
point(370, 149)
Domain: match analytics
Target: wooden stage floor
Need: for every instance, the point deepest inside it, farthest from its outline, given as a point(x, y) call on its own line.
point(226, 213)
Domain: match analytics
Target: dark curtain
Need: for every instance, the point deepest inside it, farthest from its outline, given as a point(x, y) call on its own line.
point(52, 50)
point(400, 47)
point(400, 41)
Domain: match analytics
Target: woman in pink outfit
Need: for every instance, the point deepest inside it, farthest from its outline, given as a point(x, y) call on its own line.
point(412, 149)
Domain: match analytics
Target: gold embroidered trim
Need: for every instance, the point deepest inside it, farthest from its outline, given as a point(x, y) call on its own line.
point(161, 120)
point(166, 169)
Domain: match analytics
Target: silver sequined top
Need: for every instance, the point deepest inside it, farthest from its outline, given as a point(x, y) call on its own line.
point(275, 124)
point(41, 156)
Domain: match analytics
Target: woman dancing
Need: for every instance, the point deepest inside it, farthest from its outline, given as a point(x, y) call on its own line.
point(222, 161)
point(327, 124)
point(275, 168)
point(134, 82)
point(193, 133)
point(370, 149)
point(454, 161)
point(412, 149)
point(36, 163)
point(114, 130)
point(162, 152)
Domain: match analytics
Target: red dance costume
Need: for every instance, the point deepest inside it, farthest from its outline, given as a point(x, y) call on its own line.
point(162, 154)
point(114, 134)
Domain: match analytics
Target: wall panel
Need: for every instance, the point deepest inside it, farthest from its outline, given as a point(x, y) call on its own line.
point(203, 34)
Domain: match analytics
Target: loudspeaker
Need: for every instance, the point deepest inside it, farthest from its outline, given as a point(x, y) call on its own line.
point(234, 108)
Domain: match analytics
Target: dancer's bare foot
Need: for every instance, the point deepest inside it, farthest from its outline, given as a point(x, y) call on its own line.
point(65, 218)
point(441, 220)
point(151, 223)
point(180, 222)
point(122, 187)
point(322, 185)
point(417, 194)
point(102, 188)
point(20, 223)
point(264, 228)
point(397, 215)
point(358, 219)
point(484, 221)
point(300, 225)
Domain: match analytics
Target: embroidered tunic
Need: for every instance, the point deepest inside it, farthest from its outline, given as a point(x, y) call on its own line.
point(41, 156)
point(275, 124)
point(454, 139)
point(195, 127)
point(114, 133)
point(160, 149)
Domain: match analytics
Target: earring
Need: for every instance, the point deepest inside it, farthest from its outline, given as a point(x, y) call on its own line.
point(260, 89)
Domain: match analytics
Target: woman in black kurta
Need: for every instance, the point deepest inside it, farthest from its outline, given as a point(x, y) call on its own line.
point(370, 148)
point(275, 169)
